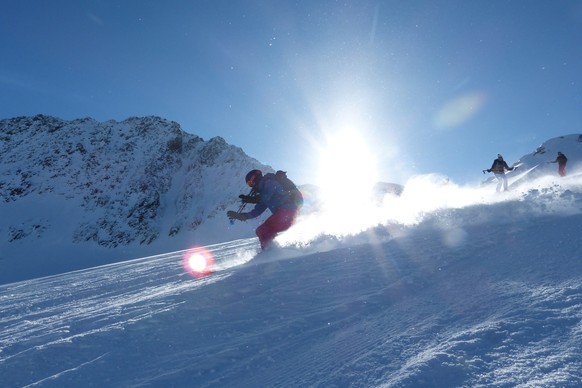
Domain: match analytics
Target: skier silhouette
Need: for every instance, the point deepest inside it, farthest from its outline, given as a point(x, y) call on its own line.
point(269, 194)
point(561, 160)
point(498, 168)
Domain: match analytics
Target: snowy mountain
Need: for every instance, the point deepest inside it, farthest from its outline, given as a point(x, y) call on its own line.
point(76, 194)
point(465, 288)
point(68, 186)
point(432, 285)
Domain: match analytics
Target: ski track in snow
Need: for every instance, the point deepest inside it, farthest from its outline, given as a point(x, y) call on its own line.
point(56, 376)
point(42, 314)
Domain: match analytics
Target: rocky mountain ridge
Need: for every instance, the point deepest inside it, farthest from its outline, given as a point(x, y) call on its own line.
point(128, 182)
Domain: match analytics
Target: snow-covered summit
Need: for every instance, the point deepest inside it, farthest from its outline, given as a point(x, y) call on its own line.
point(541, 158)
point(112, 184)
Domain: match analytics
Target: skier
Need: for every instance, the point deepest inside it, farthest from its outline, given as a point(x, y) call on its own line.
point(561, 160)
point(267, 192)
point(498, 168)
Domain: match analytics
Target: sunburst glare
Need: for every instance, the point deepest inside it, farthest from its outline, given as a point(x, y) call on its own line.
point(347, 175)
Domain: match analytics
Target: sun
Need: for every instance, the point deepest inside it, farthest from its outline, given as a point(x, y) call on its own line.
point(347, 174)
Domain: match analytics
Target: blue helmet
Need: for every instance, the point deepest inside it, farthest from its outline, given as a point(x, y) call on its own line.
point(253, 177)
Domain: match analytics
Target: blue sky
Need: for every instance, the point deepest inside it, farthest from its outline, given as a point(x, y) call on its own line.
point(425, 86)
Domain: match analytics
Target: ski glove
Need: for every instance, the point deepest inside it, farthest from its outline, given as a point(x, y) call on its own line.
point(236, 216)
point(250, 198)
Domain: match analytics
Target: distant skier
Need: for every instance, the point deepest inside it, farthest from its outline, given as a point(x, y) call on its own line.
point(269, 192)
point(561, 160)
point(498, 168)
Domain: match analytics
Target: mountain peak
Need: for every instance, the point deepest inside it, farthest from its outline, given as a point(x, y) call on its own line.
point(123, 183)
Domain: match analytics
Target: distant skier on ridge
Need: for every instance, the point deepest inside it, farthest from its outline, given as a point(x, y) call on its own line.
point(561, 160)
point(498, 168)
point(275, 192)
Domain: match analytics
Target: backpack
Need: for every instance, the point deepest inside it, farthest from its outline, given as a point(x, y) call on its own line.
point(290, 188)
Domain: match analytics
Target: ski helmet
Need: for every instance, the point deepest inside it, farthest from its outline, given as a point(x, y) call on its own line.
point(253, 177)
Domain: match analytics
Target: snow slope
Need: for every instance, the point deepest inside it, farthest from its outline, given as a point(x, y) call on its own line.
point(481, 295)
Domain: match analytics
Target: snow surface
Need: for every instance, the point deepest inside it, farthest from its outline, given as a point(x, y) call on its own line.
point(446, 286)
point(482, 295)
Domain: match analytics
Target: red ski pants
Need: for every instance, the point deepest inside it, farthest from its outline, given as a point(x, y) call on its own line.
point(277, 222)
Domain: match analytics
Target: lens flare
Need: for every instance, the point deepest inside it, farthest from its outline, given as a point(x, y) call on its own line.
point(460, 110)
point(198, 262)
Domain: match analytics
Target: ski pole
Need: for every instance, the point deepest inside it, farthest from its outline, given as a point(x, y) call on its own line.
point(243, 204)
point(241, 207)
